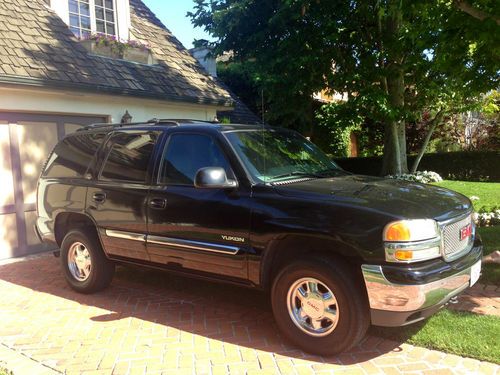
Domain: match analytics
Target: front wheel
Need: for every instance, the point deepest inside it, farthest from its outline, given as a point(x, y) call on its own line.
point(319, 306)
point(85, 266)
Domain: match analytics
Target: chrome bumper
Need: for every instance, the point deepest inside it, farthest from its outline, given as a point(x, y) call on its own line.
point(387, 296)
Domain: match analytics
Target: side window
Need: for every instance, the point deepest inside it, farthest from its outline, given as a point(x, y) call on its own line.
point(72, 156)
point(186, 154)
point(129, 156)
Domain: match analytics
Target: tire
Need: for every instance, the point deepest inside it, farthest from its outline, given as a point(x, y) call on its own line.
point(82, 250)
point(306, 322)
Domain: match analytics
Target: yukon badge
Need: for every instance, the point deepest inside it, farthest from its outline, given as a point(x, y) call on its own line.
point(231, 238)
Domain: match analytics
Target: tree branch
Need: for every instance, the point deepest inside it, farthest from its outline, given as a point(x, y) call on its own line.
point(465, 7)
point(433, 123)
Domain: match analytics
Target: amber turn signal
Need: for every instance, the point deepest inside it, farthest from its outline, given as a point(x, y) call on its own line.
point(398, 231)
point(403, 255)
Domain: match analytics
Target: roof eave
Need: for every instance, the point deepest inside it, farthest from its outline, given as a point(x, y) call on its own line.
point(101, 89)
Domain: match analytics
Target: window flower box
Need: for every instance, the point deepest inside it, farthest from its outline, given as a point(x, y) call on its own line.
point(109, 46)
point(138, 55)
point(100, 49)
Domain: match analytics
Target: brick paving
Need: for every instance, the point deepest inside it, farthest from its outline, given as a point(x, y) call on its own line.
point(480, 299)
point(174, 325)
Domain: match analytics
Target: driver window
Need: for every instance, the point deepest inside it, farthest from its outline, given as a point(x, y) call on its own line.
point(186, 154)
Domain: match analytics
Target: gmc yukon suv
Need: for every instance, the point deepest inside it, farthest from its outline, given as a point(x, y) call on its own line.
point(261, 207)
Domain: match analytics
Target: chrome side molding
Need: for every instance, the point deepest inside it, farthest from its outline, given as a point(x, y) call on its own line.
point(193, 245)
point(126, 235)
point(174, 242)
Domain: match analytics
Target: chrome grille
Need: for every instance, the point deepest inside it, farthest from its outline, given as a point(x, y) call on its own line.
point(451, 237)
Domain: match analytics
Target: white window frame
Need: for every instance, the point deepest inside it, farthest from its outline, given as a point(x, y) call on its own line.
point(122, 16)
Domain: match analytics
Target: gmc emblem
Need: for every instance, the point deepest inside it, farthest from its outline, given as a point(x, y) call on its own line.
point(465, 232)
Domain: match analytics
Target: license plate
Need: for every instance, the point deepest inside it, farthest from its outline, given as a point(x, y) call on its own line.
point(475, 271)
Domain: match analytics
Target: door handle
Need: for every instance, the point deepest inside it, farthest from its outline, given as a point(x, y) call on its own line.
point(99, 197)
point(158, 203)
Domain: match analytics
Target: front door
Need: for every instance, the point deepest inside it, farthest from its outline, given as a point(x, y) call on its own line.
point(118, 198)
point(204, 230)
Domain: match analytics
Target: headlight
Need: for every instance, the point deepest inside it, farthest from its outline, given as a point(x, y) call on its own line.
point(408, 241)
point(411, 230)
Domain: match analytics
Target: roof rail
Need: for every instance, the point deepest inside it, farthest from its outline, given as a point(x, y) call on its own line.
point(153, 121)
point(118, 125)
point(184, 121)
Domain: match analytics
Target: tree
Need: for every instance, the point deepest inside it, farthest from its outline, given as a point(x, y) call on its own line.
point(395, 59)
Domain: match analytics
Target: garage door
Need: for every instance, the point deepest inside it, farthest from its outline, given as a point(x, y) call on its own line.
point(26, 140)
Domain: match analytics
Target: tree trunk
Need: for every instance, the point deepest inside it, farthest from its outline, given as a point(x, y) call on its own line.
point(435, 121)
point(392, 160)
point(395, 134)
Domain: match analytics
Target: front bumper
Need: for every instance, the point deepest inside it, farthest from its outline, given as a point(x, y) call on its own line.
point(395, 304)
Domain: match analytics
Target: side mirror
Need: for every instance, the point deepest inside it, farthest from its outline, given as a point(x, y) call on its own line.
point(213, 178)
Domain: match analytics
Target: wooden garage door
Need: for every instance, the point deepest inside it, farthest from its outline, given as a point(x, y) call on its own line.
point(25, 141)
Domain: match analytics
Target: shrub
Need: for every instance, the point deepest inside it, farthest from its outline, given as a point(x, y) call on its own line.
point(462, 165)
point(484, 218)
point(424, 177)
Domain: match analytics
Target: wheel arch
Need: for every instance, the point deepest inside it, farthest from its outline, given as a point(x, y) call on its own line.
point(66, 221)
point(284, 251)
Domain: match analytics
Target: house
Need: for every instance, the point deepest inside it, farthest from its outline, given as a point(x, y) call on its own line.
point(53, 81)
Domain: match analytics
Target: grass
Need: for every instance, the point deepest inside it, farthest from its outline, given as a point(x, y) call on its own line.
point(491, 242)
point(488, 192)
point(5, 372)
point(460, 333)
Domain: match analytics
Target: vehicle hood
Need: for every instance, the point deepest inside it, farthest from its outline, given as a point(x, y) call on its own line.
point(400, 199)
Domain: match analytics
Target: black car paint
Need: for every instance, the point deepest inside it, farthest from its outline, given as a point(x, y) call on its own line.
point(345, 214)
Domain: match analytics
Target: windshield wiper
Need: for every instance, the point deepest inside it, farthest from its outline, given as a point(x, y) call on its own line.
point(297, 173)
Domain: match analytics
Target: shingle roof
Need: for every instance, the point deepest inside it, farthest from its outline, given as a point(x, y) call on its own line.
point(37, 48)
point(241, 114)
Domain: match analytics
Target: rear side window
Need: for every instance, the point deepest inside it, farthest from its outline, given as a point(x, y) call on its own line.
point(72, 156)
point(129, 156)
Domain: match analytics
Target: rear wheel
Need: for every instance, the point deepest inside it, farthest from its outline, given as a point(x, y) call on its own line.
point(319, 306)
point(85, 266)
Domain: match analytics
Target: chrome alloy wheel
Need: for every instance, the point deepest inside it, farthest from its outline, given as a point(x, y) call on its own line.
point(312, 307)
point(79, 261)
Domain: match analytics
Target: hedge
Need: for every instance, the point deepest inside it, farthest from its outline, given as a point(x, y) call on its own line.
point(461, 165)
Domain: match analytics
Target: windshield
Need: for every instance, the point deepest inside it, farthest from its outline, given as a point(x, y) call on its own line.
point(272, 155)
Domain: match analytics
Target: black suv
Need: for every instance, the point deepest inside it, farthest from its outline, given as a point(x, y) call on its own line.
point(261, 207)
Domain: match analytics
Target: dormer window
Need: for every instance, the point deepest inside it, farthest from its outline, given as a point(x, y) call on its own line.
point(88, 16)
point(105, 17)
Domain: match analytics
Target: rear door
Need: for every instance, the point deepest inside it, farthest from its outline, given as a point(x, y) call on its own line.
point(202, 230)
point(118, 198)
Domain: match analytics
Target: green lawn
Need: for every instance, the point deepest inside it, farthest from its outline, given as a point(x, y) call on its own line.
point(491, 242)
point(461, 333)
point(488, 192)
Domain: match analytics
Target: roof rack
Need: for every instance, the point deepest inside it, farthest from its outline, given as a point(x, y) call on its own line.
point(120, 125)
point(154, 121)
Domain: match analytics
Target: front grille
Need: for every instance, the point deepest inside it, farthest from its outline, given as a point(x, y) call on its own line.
point(451, 237)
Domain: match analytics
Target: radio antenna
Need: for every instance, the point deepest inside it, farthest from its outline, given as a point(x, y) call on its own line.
point(263, 136)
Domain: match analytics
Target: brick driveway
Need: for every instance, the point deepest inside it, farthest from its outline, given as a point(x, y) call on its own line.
point(175, 325)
